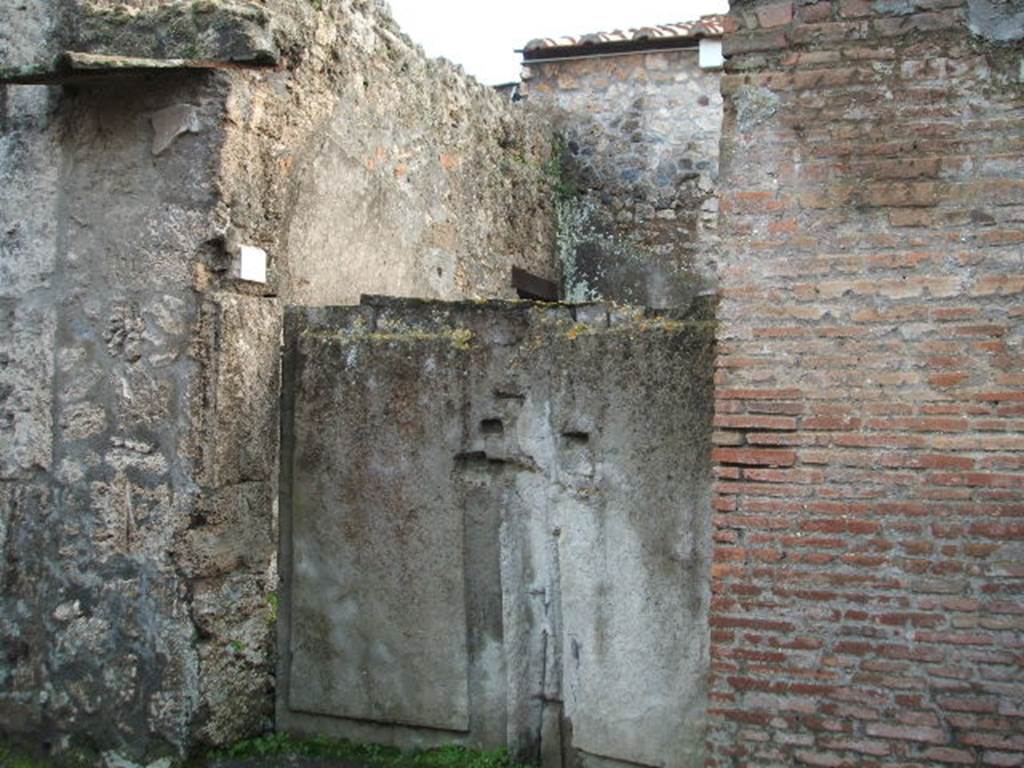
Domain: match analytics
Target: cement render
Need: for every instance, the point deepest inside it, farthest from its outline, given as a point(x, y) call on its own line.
point(553, 457)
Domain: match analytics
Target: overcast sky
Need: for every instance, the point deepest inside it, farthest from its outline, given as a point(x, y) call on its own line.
point(482, 36)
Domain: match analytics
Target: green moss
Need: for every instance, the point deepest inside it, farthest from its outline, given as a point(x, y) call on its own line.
point(459, 338)
point(273, 602)
point(551, 171)
point(12, 757)
point(557, 170)
point(9, 758)
point(282, 745)
point(646, 325)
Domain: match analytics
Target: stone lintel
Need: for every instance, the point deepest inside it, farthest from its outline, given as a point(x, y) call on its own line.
point(72, 66)
point(91, 40)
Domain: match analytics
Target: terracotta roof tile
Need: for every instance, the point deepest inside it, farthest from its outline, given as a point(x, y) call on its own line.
point(706, 26)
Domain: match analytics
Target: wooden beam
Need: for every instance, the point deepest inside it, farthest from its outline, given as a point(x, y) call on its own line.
point(530, 286)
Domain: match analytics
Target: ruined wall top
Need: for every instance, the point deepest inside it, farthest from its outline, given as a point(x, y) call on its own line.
point(768, 25)
point(45, 31)
point(38, 37)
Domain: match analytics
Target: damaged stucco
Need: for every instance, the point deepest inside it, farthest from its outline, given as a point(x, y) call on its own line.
point(139, 379)
point(98, 249)
point(495, 524)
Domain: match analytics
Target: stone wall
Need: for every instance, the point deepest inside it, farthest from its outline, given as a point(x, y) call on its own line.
point(867, 579)
point(367, 168)
point(360, 166)
point(495, 529)
point(139, 380)
point(100, 240)
point(639, 170)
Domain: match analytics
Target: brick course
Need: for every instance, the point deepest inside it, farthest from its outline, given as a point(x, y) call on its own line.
point(869, 562)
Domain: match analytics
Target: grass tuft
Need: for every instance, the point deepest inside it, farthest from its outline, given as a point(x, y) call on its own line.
point(283, 745)
point(11, 759)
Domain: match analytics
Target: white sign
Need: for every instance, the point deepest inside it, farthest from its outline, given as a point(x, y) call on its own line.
point(711, 53)
point(251, 264)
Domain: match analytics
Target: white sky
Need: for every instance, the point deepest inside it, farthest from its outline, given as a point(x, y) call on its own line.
point(482, 36)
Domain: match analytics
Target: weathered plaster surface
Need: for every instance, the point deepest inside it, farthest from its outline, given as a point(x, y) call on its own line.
point(367, 168)
point(508, 497)
point(98, 247)
point(28, 33)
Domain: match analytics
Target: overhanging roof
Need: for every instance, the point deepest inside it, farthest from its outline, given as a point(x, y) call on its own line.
point(639, 39)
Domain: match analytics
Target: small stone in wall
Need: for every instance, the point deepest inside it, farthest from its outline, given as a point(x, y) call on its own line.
point(997, 20)
point(125, 328)
point(83, 420)
point(114, 760)
point(754, 106)
point(68, 611)
point(170, 123)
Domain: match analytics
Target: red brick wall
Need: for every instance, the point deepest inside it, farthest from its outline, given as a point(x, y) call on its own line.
point(869, 564)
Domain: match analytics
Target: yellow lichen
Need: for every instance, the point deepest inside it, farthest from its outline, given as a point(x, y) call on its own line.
point(461, 338)
point(576, 331)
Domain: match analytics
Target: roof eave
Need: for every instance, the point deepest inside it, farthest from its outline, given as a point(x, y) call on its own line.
point(602, 49)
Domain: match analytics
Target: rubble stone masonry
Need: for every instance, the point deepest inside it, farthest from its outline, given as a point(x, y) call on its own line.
point(139, 380)
point(640, 163)
point(869, 558)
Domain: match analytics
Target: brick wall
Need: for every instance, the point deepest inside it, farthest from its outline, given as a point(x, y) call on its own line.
point(869, 531)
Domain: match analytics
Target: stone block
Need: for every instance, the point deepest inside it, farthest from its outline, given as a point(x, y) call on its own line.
point(244, 333)
point(768, 40)
point(530, 479)
point(27, 331)
point(168, 31)
point(376, 589)
point(233, 531)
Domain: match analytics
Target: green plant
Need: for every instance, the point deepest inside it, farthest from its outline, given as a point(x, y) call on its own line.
point(283, 745)
point(273, 602)
point(460, 757)
point(10, 758)
point(556, 169)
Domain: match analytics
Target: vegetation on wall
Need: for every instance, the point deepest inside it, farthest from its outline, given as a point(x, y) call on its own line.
point(581, 220)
